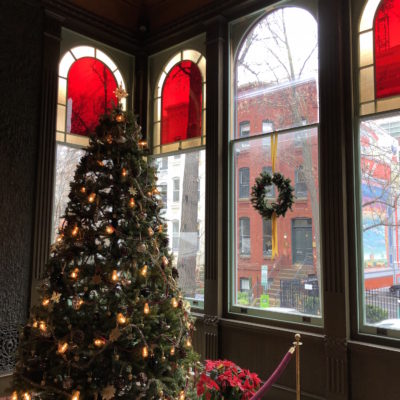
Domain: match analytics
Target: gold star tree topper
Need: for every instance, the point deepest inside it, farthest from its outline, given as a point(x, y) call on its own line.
point(120, 93)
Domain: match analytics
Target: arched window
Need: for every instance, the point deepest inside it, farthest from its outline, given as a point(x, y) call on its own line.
point(87, 78)
point(179, 103)
point(178, 143)
point(379, 156)
point(275, 117)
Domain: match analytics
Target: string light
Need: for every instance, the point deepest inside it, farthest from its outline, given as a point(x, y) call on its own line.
point(45, 302)
point(124, 172)
point(74, 273)
point(99, 342)
point(146, 309)
point(114, 276)
point(60, 238)
point(174, 302)
point(42, 326)
point(91, 197)
point(132, 202)
point(75, 231)
point(143, 271)
point(75, 396)
point(145, 352)
point(172, 351)
point(182, 395)
point(27, 396)
point(14, 396)
point(110, 229)
point(119, 118)
point(100, 163)
point(142, 144)
point(62, 347)
point(188, 342)
point(35, 324)
point(83, 189)
point(121, 318)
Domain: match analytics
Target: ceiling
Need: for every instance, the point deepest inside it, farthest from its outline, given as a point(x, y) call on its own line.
point(147, 16)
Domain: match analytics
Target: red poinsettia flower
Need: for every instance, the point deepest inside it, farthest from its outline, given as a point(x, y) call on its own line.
point(223, 379)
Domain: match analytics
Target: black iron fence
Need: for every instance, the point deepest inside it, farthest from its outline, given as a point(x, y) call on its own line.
point(381, 304)
point(303, 296)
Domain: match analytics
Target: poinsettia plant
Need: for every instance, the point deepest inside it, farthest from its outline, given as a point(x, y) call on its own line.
point(223, 379)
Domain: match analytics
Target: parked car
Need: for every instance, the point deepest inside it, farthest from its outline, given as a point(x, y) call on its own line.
point(395, 289)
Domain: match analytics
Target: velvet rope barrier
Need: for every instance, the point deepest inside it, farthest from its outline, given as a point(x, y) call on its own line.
point(280, 369)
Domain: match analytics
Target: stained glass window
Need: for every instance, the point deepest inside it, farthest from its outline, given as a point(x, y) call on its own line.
point(91, 87)
point(181, 103)
point(387, 49)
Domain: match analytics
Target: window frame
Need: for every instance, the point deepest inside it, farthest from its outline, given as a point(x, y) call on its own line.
point(242, 186)
point(374, 108)
point(311, 322)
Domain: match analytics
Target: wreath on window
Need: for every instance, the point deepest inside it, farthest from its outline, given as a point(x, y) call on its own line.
point(283, 202)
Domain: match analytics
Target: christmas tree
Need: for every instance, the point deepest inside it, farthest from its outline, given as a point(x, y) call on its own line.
point(111, 322)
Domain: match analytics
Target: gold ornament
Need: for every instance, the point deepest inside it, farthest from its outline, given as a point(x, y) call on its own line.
point(150, 231)
point(132, 191)
point(146, 309)
point(55, 297)
point(164, 261)
point(120, 93)
point(174, 302)
point(77, 302)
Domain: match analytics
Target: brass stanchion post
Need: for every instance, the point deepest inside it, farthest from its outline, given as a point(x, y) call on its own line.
point(297, 345)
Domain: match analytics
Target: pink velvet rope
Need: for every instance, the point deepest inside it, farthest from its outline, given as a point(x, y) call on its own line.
point(274, 377)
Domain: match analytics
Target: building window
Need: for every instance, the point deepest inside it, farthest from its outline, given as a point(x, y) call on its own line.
point(175, 189)
point(179, 120)
point(267, 127)
point(300, 182)
point(244, 236)
point(163, 162)
point(163, 189)
point(379, 157)
point(87, 78)
point(175, 235)
point(244, 284)
point(244, 183)
point(278, 100)
point(267, 238)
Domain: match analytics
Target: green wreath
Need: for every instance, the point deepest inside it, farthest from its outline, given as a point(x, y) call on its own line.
point(285, 197)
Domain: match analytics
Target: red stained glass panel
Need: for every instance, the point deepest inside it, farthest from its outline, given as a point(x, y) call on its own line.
point(91, 87)
point(387, 49)
point(181, 103)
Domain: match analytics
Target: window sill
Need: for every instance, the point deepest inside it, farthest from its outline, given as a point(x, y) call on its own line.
point(245, 255)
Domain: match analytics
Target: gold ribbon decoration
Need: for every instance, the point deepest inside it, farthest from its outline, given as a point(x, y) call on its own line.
point(274, 227)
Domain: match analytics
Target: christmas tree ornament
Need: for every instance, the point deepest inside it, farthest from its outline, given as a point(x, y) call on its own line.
point(143, 271)
point(174, 302)
point(55, 297)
